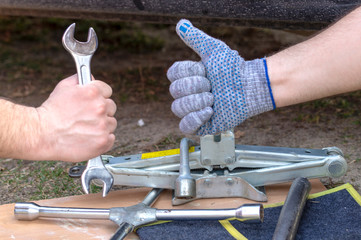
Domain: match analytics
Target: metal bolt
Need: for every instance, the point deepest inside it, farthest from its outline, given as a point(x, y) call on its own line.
point(229, 160)
point(206, 161)
point(207, 182)
point(229, 181)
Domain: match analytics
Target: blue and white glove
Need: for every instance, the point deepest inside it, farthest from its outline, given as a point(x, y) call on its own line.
point(222, 90)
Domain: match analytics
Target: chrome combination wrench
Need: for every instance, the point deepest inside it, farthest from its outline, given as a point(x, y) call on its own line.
point(82, 53)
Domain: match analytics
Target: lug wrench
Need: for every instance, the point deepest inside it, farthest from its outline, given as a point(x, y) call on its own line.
point(82, 53)
point(130, 217)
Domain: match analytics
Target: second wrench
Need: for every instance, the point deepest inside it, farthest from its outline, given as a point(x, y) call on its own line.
point(82, 53)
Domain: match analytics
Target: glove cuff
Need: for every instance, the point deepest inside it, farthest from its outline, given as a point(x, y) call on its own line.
point(268, 82)
point(257, 90)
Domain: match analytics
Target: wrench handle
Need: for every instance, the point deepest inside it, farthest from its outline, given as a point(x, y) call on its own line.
point(83, 68)
point(152, 196)
point(247, 211)
point(95, 162)
point(31, 211)
point(123, 230)
point(82, 63)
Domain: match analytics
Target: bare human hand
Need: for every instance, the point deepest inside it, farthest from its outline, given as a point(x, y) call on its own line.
point(76, 122)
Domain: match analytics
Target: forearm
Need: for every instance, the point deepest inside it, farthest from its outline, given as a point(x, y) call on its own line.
point(20, 128)
point(325, 65)
point(76, 123)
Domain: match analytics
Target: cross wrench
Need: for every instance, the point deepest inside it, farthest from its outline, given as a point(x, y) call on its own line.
point(82, 53)
point(134, 216)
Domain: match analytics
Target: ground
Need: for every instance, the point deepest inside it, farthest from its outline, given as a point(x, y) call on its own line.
point(133, 58)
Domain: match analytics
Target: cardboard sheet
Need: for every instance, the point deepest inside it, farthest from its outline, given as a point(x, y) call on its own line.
point(76, 229)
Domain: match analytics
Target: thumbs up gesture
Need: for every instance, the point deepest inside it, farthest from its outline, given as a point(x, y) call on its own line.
point(219, 92)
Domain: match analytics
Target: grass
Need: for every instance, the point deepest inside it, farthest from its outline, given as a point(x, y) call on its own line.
point(357, 122)
point(169, 142)
point(342, 107)
point(37, 180)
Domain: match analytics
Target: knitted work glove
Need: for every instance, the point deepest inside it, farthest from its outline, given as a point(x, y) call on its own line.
point(222, 90)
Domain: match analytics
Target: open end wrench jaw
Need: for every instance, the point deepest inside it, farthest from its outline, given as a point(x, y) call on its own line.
point(76, 47)
point(100, 174)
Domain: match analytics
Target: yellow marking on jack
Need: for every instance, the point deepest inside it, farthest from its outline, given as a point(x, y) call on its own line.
point(164, 153)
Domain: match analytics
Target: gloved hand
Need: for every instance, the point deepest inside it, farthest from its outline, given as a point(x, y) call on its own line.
point(222, 90)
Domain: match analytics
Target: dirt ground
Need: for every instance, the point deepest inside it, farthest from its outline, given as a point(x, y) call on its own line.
point(133, 58)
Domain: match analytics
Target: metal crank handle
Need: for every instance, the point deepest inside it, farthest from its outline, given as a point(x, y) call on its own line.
point(246, 211)
point(31, 211)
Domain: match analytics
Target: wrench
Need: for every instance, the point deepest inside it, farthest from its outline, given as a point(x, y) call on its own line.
point(128, 218)
point(82, 53)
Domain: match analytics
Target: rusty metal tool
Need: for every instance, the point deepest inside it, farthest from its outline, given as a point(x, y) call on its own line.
point(82, 53)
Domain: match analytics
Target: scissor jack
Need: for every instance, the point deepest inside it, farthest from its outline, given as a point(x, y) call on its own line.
point(220, 168)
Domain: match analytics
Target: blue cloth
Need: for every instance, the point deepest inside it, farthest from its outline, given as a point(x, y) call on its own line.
point(336, 215)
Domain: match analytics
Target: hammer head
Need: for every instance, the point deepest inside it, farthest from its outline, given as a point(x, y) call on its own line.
point(81, 48)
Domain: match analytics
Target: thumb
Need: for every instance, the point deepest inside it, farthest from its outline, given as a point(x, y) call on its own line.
point(196, 39)
point(70, 81)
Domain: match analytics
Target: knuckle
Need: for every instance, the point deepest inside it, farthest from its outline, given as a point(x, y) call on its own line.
point(101, 108)
point(92, 91)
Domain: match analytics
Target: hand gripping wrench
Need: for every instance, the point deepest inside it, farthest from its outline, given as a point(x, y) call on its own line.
point(82, 53)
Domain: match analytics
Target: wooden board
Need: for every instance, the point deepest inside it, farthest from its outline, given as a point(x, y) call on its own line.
point(76, 229)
